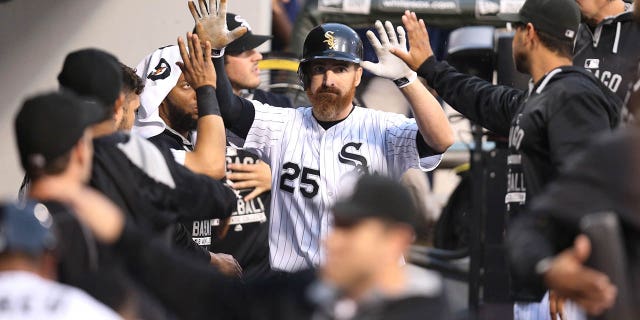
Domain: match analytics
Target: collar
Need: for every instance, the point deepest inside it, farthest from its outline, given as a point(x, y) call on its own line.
point(183, 140)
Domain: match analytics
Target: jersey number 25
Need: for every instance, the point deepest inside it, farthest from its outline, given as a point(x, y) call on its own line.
point(308, 184)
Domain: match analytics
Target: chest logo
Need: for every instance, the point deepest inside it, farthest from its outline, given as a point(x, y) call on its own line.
point(347, 156)
point(592, 64)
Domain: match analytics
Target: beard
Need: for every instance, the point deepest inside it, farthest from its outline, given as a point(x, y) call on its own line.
point(329, 102)
point(181, 121)
point(523, 65)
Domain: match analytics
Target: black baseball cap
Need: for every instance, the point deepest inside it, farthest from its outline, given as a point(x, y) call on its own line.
point(248, 41)
point(49, 125)
point(379, 197)
point(25, 229)
point(92, 73)
point(558, 18)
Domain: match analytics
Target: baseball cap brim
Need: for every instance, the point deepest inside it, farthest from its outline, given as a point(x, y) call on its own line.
point(511, 17)
point(247, 42)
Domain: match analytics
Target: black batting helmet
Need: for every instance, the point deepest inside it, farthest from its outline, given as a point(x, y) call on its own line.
point(332, 41)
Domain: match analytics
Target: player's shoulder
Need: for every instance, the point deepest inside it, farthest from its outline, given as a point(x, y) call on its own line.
point(367, 114)
point(261, 107)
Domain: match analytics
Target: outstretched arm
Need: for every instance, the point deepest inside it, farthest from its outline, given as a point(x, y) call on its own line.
point(237, 113)
point(431, 119)
point(208, 154)
point(481, 101)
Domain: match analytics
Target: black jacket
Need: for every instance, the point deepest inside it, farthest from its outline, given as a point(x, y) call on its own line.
point(284, 297)
point(611, 50)
point(605, 177)
point(555, 119)
point(153, 205)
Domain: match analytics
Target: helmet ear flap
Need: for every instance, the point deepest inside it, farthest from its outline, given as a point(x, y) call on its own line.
point(302, 76)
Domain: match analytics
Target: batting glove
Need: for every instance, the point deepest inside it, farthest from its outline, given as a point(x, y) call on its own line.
point(389, 65)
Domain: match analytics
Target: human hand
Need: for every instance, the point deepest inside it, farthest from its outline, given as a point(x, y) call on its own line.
point(246, 176)
point(212, 26)
point(418, 40)
point(556, 306)
point(226, 264)
point(569, 278)
point(389, 65)
point(196, 65)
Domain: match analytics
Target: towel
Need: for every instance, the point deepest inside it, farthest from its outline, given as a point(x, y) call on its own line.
point(160, 74)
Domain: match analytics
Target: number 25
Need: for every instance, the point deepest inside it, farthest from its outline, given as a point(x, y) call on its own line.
point(308, 179)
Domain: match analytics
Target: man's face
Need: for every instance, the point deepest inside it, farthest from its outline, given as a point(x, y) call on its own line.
point(332, 87)
point(180, 107)
point(129, 110)
point(243, 70)
point(520, 50)
point(354, 253)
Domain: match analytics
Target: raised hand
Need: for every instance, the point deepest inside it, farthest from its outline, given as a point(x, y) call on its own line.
point(418, 39)
point(196, 65)
point(389, 66)
point(212, 26)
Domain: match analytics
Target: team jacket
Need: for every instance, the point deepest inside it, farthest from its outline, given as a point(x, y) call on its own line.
point(146, 183)
point(611, 51)
point(603, 178)
point(547, 124)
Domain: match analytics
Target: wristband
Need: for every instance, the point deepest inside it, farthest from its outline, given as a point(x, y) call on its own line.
point(217, 53)
point(207, 101)
point(405, 81)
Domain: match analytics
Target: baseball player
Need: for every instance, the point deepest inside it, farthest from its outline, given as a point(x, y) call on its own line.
point(607, 44)
point(316, 152)
point(564, 107)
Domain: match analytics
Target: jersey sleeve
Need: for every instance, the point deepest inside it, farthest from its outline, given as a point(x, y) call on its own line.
point(267, 129)
point(402, 148)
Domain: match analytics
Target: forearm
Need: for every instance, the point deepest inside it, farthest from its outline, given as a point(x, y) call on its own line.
point(237, 113)
point(430, 117)
point(489, 105)
point(208, 155)
point(164, 272)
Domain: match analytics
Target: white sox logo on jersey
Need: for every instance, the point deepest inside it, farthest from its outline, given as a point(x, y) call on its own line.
point(354, 159)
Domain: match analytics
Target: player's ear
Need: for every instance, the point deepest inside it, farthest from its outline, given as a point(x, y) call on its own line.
point(118, 108)
point(358, 74)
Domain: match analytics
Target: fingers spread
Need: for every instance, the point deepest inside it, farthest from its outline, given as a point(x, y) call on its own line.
point(222, 8)
point(384, 39)
point(237, 33)
point(203, 8)
point(375, 43)
point(186, 63)
point(391, 33)
point(194, 11)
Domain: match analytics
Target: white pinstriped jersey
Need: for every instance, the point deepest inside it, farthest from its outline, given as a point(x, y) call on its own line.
point(312, 166)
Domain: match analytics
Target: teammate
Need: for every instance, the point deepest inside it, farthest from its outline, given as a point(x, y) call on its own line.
point(607, 44)
point(54, 140)
point(563, 109)
point(248, 237)
point(315, 153)
point(362, 278)
point(145, 182)
point(27, 275)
